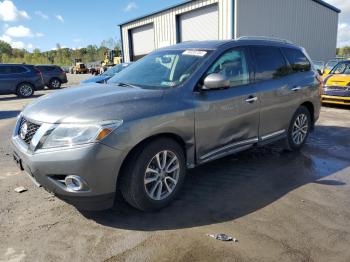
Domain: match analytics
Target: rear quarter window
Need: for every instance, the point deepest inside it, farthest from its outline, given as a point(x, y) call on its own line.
point(269, 63)
point(297, 60)
point(18, 69)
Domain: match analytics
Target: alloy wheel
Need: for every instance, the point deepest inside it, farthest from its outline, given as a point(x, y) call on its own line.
point(300, 129)
point(26, 90)
point(162, 175)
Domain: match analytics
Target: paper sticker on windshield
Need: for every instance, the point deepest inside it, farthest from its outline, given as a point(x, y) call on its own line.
point(195, 53)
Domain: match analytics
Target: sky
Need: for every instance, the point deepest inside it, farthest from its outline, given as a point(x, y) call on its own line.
point(42, 24)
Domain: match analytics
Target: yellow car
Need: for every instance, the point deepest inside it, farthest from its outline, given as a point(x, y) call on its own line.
point(336, 85)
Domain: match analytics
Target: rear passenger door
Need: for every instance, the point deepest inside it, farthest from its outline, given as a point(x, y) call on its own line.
point(277, 100)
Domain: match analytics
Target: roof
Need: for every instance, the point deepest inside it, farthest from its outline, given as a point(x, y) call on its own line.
point(216, 44)
point(321, 2)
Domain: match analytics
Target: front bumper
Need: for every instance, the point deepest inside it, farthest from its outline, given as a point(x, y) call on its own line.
point(98, 165)
point(340, 97)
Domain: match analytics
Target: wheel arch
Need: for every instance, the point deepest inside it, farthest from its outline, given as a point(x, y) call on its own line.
point(177, 138)
point(310, 107)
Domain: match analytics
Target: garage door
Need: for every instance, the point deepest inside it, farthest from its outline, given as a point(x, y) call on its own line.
point(200, 24)
point(142, 41)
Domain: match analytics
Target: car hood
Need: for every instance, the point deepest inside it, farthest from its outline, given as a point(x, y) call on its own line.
point(96, 79)
point(93, 103)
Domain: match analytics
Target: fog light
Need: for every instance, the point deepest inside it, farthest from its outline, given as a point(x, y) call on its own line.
point(74, 183)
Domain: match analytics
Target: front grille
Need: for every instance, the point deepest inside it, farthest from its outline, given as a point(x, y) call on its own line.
point(27, 135)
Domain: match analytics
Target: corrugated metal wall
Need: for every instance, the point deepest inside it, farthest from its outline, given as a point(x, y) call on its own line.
point(304, 22)
point(165, 23)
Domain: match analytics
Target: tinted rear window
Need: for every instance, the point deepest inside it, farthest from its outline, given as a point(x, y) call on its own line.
point(46, 68)
point(297, 60)
point(12, 69)
point(270, 63)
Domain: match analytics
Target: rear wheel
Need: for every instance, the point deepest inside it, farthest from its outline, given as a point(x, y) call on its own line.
point(154, 175)
point(54, 83)
point(25, 90)
point(299, 129)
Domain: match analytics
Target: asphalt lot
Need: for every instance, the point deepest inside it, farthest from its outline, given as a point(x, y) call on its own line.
point(280, 206)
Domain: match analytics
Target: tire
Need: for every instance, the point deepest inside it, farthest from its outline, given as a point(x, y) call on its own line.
point(299, 129)
point(55, 83)
point(155, 189)
point(25, 90)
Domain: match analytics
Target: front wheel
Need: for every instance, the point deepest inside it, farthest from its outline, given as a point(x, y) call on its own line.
point(154, 175)
point(25, 90)
point(299, 129)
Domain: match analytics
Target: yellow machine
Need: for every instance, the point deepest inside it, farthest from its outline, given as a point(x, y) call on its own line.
point(336, 85)
point(112, 58)
point(79, 67)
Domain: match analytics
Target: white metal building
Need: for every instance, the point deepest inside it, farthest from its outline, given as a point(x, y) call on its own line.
point(312, 24)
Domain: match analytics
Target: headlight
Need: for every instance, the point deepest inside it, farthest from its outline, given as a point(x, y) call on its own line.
point(67, 135)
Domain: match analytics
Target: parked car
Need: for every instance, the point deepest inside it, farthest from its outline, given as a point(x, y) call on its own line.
point(22, 80)
point(177, 108)
point(54, 76)
point(103, 78)
point(336, 88)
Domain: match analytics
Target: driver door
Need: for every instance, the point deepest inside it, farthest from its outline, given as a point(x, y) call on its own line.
point(227, 120)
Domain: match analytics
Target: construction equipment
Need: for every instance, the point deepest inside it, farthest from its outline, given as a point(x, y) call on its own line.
point(79, 67)
point(112, 58)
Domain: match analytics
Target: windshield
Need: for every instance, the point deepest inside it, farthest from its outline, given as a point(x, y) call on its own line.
point(161, 69)
point(341, 68)
point(115, 70)
point(331, 64)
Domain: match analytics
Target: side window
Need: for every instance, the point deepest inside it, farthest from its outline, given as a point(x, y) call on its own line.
point(18, 69)
point(270, 63)
point(3, 70)
point(297, 60)
point(233, 65)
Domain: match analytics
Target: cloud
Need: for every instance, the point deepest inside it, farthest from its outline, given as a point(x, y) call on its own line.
point(16, 44)
point(59, 18)
point(39, 34)
point(131, 6)
point(343, 5)
point(42, 15)
point(18, 31)
point(344, 35)
point(10, 13)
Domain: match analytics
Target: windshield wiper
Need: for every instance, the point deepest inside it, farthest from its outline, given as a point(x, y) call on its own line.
point(125, 84)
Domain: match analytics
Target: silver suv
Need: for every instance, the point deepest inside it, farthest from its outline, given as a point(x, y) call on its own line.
point(176, 108)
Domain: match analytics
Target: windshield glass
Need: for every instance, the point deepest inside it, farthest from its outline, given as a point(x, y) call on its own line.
point(341, 68)
point(331, 64)
point(114, 70)
point(168, 68)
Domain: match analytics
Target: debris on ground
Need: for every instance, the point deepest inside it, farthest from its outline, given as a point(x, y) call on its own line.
point(222, 237)
point(20, 189)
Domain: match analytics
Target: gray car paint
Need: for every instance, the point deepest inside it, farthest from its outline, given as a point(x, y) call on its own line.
point(210, 123)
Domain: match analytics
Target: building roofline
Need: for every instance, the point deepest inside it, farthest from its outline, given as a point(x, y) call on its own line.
point(156, 12)
point(332, 7)
point(321, 2)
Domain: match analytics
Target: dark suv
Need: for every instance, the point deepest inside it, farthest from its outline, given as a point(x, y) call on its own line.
point(20, 79)
point(54, 76)
point(177, 108)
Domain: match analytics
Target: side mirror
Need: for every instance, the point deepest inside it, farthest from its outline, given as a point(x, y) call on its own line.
point(216, 81)
point(319, 72)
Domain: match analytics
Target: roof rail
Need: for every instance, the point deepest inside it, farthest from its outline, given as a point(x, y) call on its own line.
point(266, 38)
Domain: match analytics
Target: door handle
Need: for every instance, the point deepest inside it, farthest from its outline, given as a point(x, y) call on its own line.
point(296, 88)
point(251, 99)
